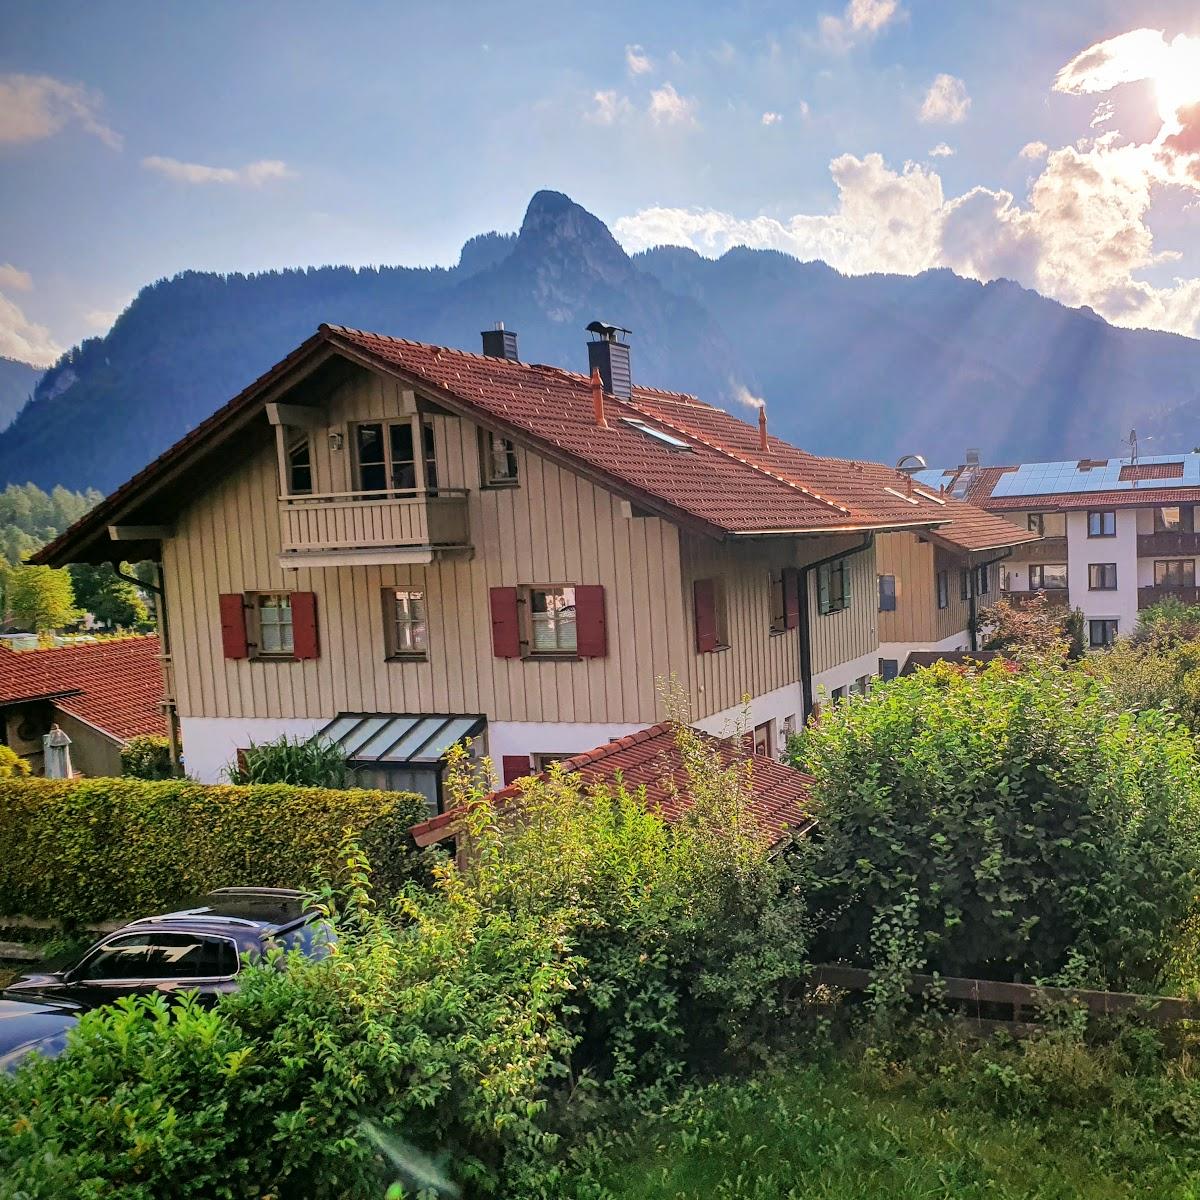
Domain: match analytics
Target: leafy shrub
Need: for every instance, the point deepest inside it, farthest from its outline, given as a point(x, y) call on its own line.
point(1168, 623)
point(12, 765)
point(146, 757)
point(302, 762)
point(87, 850)
point(1021, 813)
point(1150, 673)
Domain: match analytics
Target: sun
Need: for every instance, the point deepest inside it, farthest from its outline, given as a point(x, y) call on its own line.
point(1176, 78)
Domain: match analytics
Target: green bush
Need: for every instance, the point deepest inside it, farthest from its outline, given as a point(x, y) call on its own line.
point(146, 757)
point(984, 823)
point(12, 765)
point(88, 850)
point(302, 762)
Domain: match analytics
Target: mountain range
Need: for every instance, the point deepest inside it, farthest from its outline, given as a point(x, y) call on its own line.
point(17, 381)
point(872, 366)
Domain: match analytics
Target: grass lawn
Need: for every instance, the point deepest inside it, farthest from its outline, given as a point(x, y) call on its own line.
point(823, 1133)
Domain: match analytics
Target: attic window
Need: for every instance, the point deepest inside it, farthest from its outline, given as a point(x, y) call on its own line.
point(660, 435)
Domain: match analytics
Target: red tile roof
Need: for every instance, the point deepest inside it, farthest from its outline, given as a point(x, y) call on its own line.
point(780, 799)
point(725, 483)
point(114, 685)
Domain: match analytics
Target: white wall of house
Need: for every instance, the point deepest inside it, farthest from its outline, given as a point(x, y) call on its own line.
point(549, 737)
point(210, 744)
point(845, 674)
point(1120, 604)
point(901, 650)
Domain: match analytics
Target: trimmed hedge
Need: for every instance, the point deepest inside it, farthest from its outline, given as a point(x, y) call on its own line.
point(98, 849)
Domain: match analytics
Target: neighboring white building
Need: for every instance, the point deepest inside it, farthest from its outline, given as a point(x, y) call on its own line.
point(1117, 535)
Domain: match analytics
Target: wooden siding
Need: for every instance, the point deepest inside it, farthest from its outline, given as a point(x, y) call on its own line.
point(915, 564)
point(844, 636)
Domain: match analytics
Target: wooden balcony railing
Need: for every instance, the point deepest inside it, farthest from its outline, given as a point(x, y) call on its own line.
point(1047, 550)
point(333, 521)
point(1168, 545)
point(1149, 596)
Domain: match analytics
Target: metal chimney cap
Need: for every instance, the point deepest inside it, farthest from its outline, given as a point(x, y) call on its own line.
point(912, 462)
point(606, 332)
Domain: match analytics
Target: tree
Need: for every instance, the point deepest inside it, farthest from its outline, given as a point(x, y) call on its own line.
point(113, 601)
point(1032, 625)
point(41, 598)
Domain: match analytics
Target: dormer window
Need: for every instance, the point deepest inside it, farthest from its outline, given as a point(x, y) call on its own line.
point(299, 457)
point(660, 435)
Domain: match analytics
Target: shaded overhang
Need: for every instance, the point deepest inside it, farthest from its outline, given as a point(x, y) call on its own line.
point(413, 740)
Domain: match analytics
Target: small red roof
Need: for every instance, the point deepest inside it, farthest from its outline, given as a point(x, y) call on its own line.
point(780, 798)
point(115, 685)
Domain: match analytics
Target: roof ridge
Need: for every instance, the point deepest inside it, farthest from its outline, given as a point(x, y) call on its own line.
point(755, 466)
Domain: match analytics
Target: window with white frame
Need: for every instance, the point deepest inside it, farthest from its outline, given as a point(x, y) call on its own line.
point(273, 613)
point(833, 587)
point(408, 630)
point(552, 620)
point(498, 456)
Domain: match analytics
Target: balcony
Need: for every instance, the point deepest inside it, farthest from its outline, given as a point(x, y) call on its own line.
point(1048, 550)
point(1148, 596)
point(370, 528)
point(1168, 544)
point(1055, 597)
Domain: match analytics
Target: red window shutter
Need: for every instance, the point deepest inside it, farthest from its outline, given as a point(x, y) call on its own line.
point(515, 766)
point(506, 625)
point(233, 625)
point(591, 632)
point(305, 640)
point(791, 598)
point(704, 592)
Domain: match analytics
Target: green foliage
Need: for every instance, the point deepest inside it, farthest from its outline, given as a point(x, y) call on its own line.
point(146, 757)
point(41, 598)
point(302, 762)
point(93, 849)
point(1032, 626)
point(1027, 816)
point(1168, 623)
point(12, 765)
point(1148, 673)
point(30, 517)
point(113, 601)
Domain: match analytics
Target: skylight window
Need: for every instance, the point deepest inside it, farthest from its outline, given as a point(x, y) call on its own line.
point(661, 435)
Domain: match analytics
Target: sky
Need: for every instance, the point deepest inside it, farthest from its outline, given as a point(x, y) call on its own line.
point(1054, 143)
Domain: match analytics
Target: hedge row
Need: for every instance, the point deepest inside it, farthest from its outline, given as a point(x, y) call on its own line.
point(99, 849)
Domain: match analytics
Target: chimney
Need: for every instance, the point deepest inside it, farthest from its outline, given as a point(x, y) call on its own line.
point(610, 356)
point(763, 444)
point(500, 343)
point(598, 398)
point(972, 457)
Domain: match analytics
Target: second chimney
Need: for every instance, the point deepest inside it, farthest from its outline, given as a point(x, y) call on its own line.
point(610, 356)
point(500, 343)
point(763, 444)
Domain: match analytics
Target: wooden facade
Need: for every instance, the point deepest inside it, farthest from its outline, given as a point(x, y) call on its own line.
point(915, 563)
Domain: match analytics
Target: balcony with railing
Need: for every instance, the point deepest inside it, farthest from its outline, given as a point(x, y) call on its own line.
point(1184, 593)
point(1045, 550)
point(1055, 597)
point(1165, 543)
point(404, 526)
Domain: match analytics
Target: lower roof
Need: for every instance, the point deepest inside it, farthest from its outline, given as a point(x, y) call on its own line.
point(399, 739)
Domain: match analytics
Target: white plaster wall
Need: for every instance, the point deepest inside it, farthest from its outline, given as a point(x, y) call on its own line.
point(845, 674)
point(901, 650)
point(210, 744)
point(1121, 604)
point(774, 707)
point(549, 737)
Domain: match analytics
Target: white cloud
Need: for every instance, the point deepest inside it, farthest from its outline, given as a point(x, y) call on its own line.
point(101, 319)
point(941, 150)
point(771, 118)
point(33, 107)
point(1139, 54)
point(253, 174)
point(668, 107)
point(946, 101)
point(637, 61)
point(860, 21)
point(13, 279)
point(608, 108)
point(23, 339)
point(1034, 150)
point(1105, 111)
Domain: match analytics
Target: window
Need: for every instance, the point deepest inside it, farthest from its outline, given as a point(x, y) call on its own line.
point(407, 631)
point(1175, 572)
point(385, 456)
point(964, 584)
point(121, 958)
point(862, 685)
point(1101, 633)
point(1102, 577)
point(1037, 523)
point(789, 726)
point(190, 956)
point(543, 762)
point(1174, 518)
point(943, 589)
point(1047, 577)
point(764, 739)
point(889, 668)
point(498, 457)
point(552, 620)
point(1102, 524)
point(838, 693)
point(983, 580)
point(274, 613)
point(833, 587)
point(300, 466)
point(887, 593)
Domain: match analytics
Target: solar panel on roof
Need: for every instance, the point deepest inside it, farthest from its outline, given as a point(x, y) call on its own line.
point(1046, 479)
